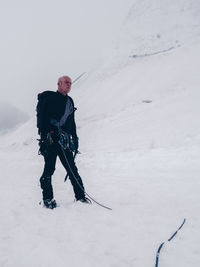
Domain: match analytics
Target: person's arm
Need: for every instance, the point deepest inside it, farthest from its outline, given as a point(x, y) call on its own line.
point(73, 130)
point(74, 133)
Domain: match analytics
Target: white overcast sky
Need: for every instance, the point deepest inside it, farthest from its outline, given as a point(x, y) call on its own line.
point(42, 40)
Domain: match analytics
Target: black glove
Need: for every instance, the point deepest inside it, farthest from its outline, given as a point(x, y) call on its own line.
point(75, 141)
point(43, 147)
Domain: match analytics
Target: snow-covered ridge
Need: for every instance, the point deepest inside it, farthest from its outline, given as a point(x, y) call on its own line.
point(153, 26)
point(150, 102)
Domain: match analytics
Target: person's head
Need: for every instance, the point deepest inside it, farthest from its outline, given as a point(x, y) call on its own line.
point(64, 85)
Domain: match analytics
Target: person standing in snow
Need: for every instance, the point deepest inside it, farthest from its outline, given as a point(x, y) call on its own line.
point(57, 129)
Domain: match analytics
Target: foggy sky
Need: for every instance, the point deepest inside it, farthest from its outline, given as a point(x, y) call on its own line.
point(42, 40)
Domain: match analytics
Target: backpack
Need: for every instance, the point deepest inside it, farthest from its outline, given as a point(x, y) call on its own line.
point(42, 98)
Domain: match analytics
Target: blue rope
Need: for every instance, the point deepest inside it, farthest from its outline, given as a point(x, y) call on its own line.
point(177, 231)
point(157, 254)
point(161, 245)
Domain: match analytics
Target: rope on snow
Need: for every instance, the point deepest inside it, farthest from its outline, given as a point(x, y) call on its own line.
point(161, 245)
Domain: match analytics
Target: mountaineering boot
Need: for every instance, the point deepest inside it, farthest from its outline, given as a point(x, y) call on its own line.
point(50, 203)
point(85, 200)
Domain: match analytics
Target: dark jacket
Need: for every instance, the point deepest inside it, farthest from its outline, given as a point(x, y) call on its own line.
point(54, 109)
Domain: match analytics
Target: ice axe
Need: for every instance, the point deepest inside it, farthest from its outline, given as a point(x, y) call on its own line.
point(78, 78)
point(67, 175)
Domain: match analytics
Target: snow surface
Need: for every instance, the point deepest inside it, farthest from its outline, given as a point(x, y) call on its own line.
point(139, 128)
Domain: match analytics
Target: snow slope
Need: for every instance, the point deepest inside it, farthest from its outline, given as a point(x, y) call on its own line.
point(139, 137)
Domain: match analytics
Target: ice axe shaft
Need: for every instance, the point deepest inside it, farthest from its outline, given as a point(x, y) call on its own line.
point(67, 175)
point(78, 78)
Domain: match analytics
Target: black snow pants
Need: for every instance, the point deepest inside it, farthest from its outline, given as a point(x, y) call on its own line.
point(53, 151)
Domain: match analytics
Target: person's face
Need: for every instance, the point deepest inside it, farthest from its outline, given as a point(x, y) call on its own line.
point(64, 85)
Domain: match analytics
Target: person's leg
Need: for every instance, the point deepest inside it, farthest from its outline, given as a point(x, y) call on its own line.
point(49, 168)
point(72, 170)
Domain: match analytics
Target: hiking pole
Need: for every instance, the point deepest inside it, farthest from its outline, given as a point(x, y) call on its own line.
point(78, 78)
